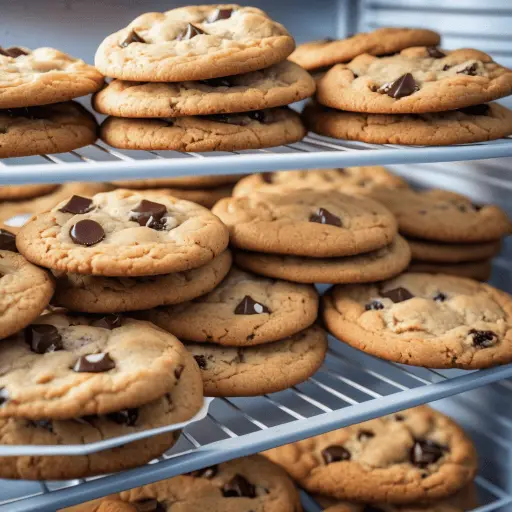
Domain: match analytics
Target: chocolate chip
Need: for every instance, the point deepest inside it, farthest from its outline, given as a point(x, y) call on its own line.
point(218, 82)
point(149, 505)
point(364, 435)
point(397, 294)
point(403, 86)
point(208, 472)
point(201, 362)
point(483, 339)
point(238, 487)
point(469, 70)
point(267, 177)
point(374, 305)
point(435, 53)
point(190, 32)
point(43, 338)
point(4, 396)
point(87, 232)
point(46, 424)
point(77, 205)
point(399, 417)
point(446, 67)
point(13, 51)
point(149, 214)
point(94, 363)
point(476, 110)
point(219, 14)
point(425, 452)
point(178, 371)
point(248, 306)
point(335, 453)
point(126, 417)
point(109, 322)
point(7, 241)
point(132, 37)
point(323, 216)
point(440, 297)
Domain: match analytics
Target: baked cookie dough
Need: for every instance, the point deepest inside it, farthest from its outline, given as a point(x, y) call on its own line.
point(185, 182)
point(17, 192)
point(478, 270)
point(436, 252)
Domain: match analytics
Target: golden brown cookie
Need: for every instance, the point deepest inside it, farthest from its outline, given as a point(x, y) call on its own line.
point(17, 192)
point(480, 270)
point(436, 252)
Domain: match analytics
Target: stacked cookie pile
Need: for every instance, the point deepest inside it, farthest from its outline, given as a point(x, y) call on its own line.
point(203, 78)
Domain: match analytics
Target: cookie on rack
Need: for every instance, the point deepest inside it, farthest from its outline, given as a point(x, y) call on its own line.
point(416, 81)
point(194, 43)
point(44, 130)
point(179, 405)
point(192, 182)
point(429, 320)
point(42, 76)
point(121, 233)
point(418, 455)
point(382, 41)
point(206, 197)
point(220, 132)
point(18, 192)
point(64, 366)
point(261, 369)
point(278, 85)
point(307, 223)
point(478, 123)
point(243, 310)
point(479, 270)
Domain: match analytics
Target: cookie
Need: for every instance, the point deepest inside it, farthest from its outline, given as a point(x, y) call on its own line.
point(444, 216)
point(479, 270)
point(63, 367)
point(16, 192)
point(194, 43)
point(122, 234)
point(382, 41)
point(25, 290)
point(262, 369)
point(192, 182)
point(361, 268)
point(220, 132)
point(349, 180)
point(430, 320)
point(472, 124)
point(180, 404)
point(250, 483)
point(243, 310)
point(306, 223)
point(413, 456)
point(278, 85)
point(205, 197)
point(44, 75)
point(435, 252)
point(44, 130)
point(97, 294)
point(416, 81)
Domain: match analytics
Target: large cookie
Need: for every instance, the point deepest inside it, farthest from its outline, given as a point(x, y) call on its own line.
point(262, 369)
point(243, 310)
point(98, 294)
point(180, 404)
point(220, 132)
point(122, 234)
point(480, 270)
point(44, 130)
point(416, 81)
point(307, 223)
point(382, 41)
point(185, 182)
point(471, 124)
point(194, 43)
point(205, 197)
point(436, 252)
point(429, 320)
point(42, 76)
point(16, 192)
point(278, 85)
point(414, 456)
point(63, 367)
point(361, 268)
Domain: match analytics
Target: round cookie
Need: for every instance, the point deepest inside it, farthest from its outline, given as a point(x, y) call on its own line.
point(361, 268)
point(262, 369)
point(194, 43)
point(435, 252)
point(243, 310)
point(179, 405)
point(97, 294)
point(42, 76)
point(249, 483)
point(349, 180)
point(429, 320)
point(416, 81)
point(479, 270)
point(278, 85)
point(185, 182)
point(85, 365)
point(206, 197)
point(471, 124)
point(414, 456)
point(44, 130)
point(25, 290)
point(307, 223)
point(382, 41)
point(15, 192)
point(122, 234)
point(220, 132)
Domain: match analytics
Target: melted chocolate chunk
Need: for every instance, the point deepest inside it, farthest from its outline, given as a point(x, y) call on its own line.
point(267, 177)
point(87, 232)
point(476, 110)
point(218, 82)
point(364, 435)
point(219, 14)
point(94, 363)
point(323, 216)
point(435, 53)
point(399, 417)
point(178, 371)
point(201, 362)
point(149, 505)
point(132, 37)
point(109, 322)
point(4, 396)
point(398, 294)
point(483, 339)
point(46, 424)
point(335, 453)
point(7, 241)
point(238, 487)
point(469, 70)
point(190, 32)
point(208, 472)
point(446, 67)
point(43, 338)
point(248, 306)
point(425, 452)
point(403, 86)
point(126, 417)
point(13, 51)
point(440, 297)
point(150, 214)
point(374, 305)
point(77, 205)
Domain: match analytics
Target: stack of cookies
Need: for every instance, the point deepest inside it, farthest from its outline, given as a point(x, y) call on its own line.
point(203, 78)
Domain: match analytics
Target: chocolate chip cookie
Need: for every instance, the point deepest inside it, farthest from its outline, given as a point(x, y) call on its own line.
point(206, 197)
point(194, 43)
point(123, 234)
point(430, 320)
point(183, 183)
point(436, 252)
point(307, 223)
point(413, 456)
point(16, 192)
point(416, 81)
point(480, 270)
